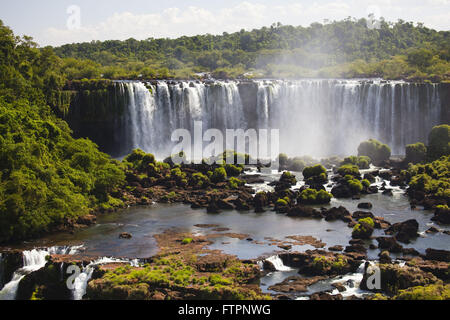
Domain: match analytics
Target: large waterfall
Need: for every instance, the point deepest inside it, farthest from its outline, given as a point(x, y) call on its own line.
point(315, 117)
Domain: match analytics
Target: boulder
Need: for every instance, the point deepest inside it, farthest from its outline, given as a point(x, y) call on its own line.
point(303, 212)
point(365, 205)
point(439, 255)
point(341, 191)
point(404, 231)
point(337, 214)
point(442, 215)
point(389, 244)
point(125, 235)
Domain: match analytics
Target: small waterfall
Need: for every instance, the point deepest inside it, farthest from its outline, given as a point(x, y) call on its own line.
point(315, 117)
point(278, 263)
point(81, 282)
point(33, 260)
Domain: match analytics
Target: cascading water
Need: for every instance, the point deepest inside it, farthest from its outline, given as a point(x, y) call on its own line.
point(278, 263)
point(33, 260)
point(80, 282)
point(315, 117)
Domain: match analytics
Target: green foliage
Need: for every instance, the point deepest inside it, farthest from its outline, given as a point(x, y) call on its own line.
point(362, 162)
point(314, 171)
point(288, 178)
point(47, 177)
point(349, 169)
point(375, 150)
point(233, 171)
point(199, 180)
point(312, 196)
point(325, 265)
point(437, 291)
point(416, 153)
point(235, 183)
point(439, 142)
point(364, 228)
point(219, 175)
point(398, 50)
point(187, 240)
point(432, 178)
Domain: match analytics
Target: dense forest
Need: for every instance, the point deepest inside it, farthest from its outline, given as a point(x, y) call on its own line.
point(347, 48)
point(47, 177)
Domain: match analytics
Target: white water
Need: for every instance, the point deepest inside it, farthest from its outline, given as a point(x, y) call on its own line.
point(278, 263)
point(315, 117)
point(80, 283)
point(33, 260)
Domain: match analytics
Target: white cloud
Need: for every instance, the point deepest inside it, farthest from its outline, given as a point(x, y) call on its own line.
point(174, 22)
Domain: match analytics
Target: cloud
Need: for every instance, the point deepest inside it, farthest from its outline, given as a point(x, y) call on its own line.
point(174, 22)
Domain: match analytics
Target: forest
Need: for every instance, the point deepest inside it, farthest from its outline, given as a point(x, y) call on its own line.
point(340, 49)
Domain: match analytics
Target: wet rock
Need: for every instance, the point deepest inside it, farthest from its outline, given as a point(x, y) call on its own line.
point(388, 192)
point(362, 214)
point(438, 268)
point(439, 255)
point(337, 214)
point(269, 266)
point(410, 252)
point(432, 230)
point(213, 207)
point(394, 278)
point(372, 246)
point(225, 205)
point(341, 191)
point(303, 212)
point(365, 205)
point(323, 296)
point(296, 284)
point(390, 244)
point(442, 215)
point(339, 286)
point(404, 231)
point(336, 248)
point(12, 261)
point(87, 220)
point(125, 235)
point(358, 248)
point(285, 247)
point(385, 257)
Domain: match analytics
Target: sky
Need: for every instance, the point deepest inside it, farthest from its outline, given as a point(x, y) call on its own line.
point(57, 22)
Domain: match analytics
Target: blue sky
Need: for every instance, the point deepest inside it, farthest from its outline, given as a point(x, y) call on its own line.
point(46, 20)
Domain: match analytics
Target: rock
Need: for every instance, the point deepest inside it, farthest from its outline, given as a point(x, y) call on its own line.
point(404, 231)
point(380, 223)
point(372, 246)
point(438, 268)
point(439, 255)
point(365, 205)
point(339, 286)
point(268, 266)
point(390, 244)
point(213, 207)
point(337, 214)
point(362, 214)
point(394, 278)
point(285, 246)
point(358, 248)
point(432, 230)
point(442, 215)
point(323, 296)
point(336, 248)
point(125, 235)
point(410, 252)
point(388, 192)
point(303, 212)
point(225, 205)
point(341, 191)
point(384, 257)
point(87, 220)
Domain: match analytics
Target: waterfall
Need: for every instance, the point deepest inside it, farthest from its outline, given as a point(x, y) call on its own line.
point(315, 117)
point(278, 263)
point(81, 281)
point(33, 260)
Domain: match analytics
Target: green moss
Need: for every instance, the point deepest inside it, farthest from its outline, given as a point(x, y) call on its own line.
point(430, 292)
point(375, 150)
point(439, 142)
point(312, 196)
point(314, 171)
point(349, 169)
point(235, 183)
point(361, 162)
point(416, 153)
point(187, 240)
point(364, 228)
point(219, 175)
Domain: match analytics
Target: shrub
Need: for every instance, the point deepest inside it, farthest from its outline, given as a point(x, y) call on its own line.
point(235, 183)
point(219, 175)
point(312, 196)
point(232, 170)
point(364, 228)
point(349, 169)
point(439, 142)
point(313, 171)
point(375, 150)
point(416, 153)
point(362, 162)
point(437, 291)
point(199, 180)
